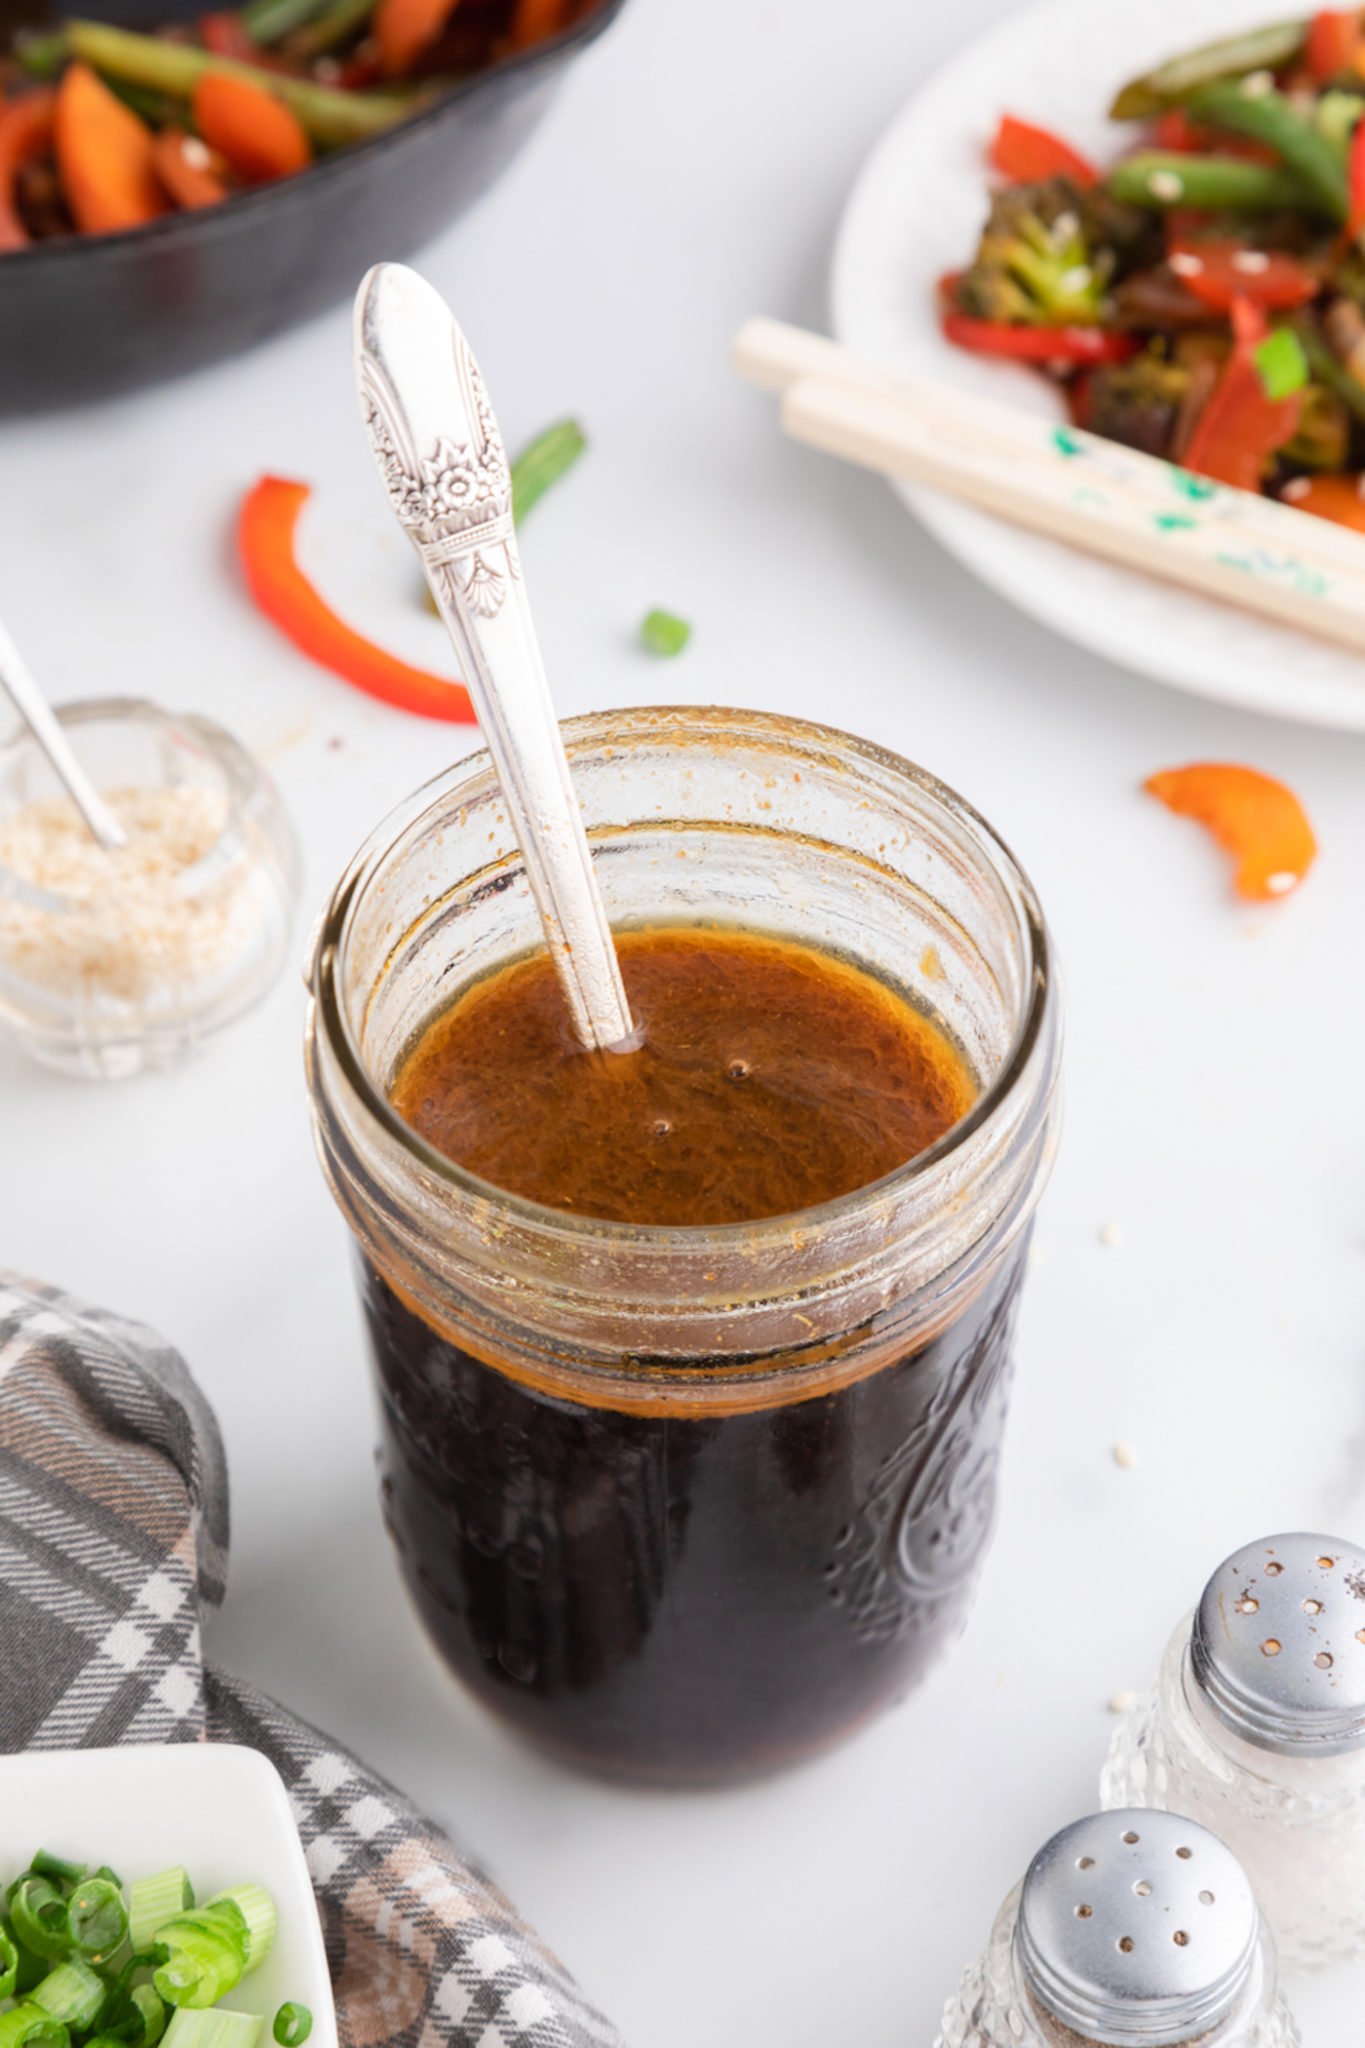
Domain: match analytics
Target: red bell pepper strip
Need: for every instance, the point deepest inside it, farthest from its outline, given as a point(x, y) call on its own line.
point(1333, 41)
point(1026, 154)
point(1064, 345)
point(1219, 272)
point(1240, 428)
point(265, 539)
point(25, 132)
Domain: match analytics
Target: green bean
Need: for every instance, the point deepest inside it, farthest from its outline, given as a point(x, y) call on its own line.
point(42, 56)
point(330, 115)
point(338, 21)
point(1325, 367)
point(1272, 118)
point(268, 21)
point(1161, 178)
point(543, 463)
point(1260, 49)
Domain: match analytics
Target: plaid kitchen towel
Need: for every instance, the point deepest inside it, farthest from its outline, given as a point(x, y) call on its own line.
point(113, 1545)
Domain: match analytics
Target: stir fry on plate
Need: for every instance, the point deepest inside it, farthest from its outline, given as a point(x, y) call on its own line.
point(1203, 297)
point(102, 129)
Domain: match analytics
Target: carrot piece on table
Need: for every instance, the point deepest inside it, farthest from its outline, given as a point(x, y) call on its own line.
point(190, 171)
point(404, 28)
point(265, 540)
point(1258, 820)
point(258, 134)
point(104, 157)
point(534, 20)
point(25, 131)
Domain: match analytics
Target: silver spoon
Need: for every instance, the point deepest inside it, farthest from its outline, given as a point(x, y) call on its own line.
point(441, 456)
point(16, 679)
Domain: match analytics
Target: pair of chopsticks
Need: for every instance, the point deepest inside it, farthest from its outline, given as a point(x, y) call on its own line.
point(1112, 501)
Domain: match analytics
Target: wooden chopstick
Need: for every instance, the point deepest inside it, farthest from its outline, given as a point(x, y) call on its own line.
point(1116, 502)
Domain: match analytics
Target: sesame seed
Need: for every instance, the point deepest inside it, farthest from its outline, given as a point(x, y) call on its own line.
point(1251, 262)
point(1122, 1702)
point(196, 153)
point(1297, 487)
point(1079, 279)
point(1280, 884)
point(1257, 84)
point(1167, 185)
point(1125, 1457)
point(1186, 265)
point(1065, 226)
point(1111, 1236)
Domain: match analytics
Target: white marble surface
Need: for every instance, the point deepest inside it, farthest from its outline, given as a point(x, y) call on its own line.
point(691, 174)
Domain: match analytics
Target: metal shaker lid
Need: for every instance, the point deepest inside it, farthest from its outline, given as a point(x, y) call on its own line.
point(1278, 1647)
point(1137, 1929)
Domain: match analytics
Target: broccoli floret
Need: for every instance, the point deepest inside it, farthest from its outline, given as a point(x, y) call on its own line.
point(1048, 254)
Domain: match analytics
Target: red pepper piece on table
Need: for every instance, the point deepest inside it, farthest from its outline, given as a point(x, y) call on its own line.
point(1333, 43)
point(1219, 272)
point(1255, 818)
point(1025, 154)
point(266, 528)
point(1240, 428)
point(25, 132)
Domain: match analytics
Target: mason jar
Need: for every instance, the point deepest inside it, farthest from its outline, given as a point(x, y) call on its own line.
point(689, 1504)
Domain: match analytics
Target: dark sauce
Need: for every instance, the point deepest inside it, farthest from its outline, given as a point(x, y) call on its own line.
point(769, 1078)
point(690, 1597)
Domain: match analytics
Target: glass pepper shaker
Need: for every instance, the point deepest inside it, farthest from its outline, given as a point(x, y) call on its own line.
point(1130, 1930)
point(1256, 1726)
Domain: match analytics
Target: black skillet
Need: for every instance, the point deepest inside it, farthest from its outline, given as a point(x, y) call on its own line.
point(87, 316)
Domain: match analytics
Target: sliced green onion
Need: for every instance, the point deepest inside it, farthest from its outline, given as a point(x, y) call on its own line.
point(543, 463)
point(97, 1917)
point(110, 1876)
point(151, 2011)
point(45, 1864)
point(154, 1900)
point(257, 1909)
point(42, 55)
point(40, 1918)
point(1281, 364)
point(663, 633)
point(9, 1965)
point(28, 2026)
point(72, 1993)
point(293, 2025)
point(212, 2030)
point(207, 1955)
point(267, 21)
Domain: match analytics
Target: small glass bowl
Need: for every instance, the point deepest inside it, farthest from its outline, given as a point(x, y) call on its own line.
point(96, 986)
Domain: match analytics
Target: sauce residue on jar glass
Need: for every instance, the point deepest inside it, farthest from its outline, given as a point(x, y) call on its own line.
point(770, 1077)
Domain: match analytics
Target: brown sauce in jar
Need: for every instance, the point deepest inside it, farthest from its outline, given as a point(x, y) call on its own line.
point(694, 1595)
point(769, 1078)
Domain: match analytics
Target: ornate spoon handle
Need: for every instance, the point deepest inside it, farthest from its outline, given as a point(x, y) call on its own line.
point(441, 456)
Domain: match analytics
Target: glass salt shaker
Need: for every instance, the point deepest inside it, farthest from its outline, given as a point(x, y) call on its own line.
point(1130, 1930)
point(1256, 1726)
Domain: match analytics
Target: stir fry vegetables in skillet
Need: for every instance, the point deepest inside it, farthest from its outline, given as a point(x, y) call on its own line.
point(102, 129)
point(1203, 297)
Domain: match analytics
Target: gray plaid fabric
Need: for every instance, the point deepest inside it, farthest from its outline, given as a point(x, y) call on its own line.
point(113, 1543)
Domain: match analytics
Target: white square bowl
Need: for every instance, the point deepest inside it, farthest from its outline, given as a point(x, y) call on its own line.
point(219, 1809)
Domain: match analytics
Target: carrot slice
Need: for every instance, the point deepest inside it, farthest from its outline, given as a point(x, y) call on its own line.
point(1337, 497)
point(534, 20)
point(265, 539)
point(104, 157)
point(1258, 820)
point(25, 131)
point(260, 136)
point(404, 28)
point(191, 172)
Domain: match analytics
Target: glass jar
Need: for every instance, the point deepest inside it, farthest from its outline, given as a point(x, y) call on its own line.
point(115, 961)
point(1130, 1930)
point(688, 1504)
point(1256, 1726)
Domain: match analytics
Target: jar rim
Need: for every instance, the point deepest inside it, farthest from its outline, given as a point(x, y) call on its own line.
point(645, 722)
point(234, 765)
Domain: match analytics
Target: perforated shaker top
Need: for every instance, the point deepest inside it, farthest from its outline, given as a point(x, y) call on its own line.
point(1278, 1647)
point(1137, 1929)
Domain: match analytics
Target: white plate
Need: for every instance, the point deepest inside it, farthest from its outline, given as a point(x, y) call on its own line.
point(218, 1809)
point(916, 211)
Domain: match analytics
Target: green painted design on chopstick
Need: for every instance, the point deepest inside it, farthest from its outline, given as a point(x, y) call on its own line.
point(1067, 442)
point(1174, 522)
point(1191, 486)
